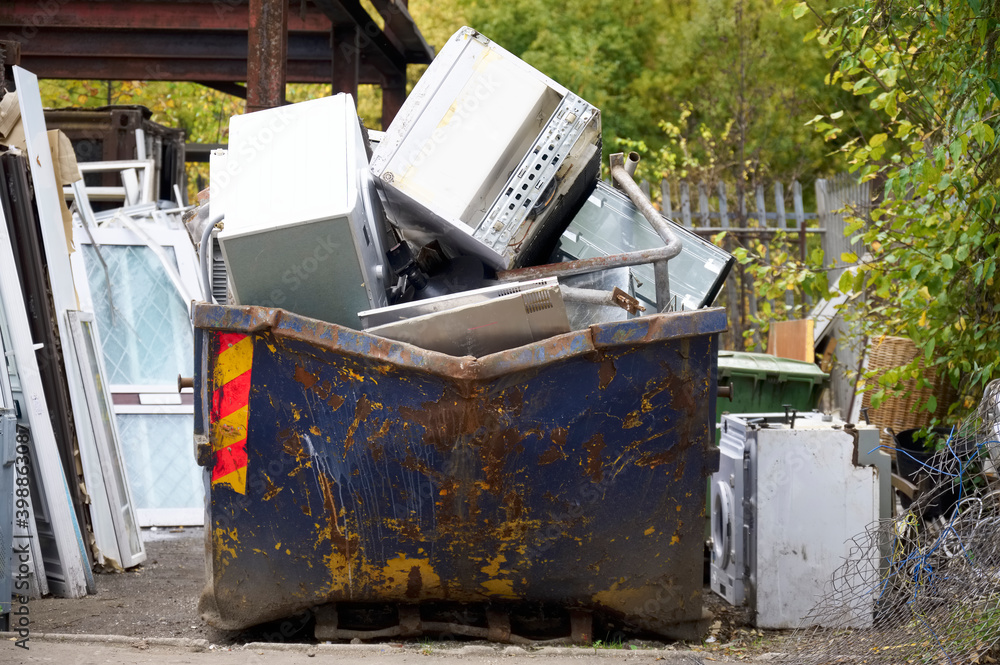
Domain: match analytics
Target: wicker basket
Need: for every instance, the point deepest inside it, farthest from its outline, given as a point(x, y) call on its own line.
point(900, 413)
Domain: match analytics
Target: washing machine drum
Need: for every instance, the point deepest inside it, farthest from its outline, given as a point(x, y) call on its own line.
point(722, 524)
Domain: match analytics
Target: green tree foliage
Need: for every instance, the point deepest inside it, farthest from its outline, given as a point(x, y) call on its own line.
point(604, 50)
point(715, 88)
point(930, 72)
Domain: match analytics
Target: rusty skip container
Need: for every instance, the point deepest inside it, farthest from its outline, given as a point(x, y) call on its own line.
point(346, 468)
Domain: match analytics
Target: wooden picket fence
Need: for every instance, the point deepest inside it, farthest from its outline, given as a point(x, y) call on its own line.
point(745, 216)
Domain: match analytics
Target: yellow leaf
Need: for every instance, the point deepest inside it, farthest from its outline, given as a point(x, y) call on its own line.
point(877, 140)
point(82, 99)
point(923, 319)
point(925, 293)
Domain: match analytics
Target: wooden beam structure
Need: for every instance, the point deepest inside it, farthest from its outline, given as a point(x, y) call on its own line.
point(209, 41)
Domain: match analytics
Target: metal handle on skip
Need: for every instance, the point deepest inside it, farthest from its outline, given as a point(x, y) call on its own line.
point(658, 256)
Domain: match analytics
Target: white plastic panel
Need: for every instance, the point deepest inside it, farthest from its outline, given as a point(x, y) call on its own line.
point(66, 563)
point(811, 502)
point(292, 164)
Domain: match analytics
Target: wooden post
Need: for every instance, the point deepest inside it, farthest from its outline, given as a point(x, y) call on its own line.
point(723, 207)
point(763, 223)
point(666, 208)
point(685, 205)
point(733, 304)
point(761, 207)
point(779, 208)
point(779, 205)
point(267, 56)
point(703, 206)
point(800, 218)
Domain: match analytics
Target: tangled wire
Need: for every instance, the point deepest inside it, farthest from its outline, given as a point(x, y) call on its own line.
point(923, 587)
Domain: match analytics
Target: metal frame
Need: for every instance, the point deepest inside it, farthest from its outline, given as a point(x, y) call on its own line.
point(133, 192)
point(117, 492)
point(659, 256)
point(206, 42)
point(64, 298)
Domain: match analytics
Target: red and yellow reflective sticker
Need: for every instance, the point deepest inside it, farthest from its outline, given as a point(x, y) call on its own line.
point(230, 402)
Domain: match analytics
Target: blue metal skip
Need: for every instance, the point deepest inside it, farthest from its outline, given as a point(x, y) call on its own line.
point(568, 471)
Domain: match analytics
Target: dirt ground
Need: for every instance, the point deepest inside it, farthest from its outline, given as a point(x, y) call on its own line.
point(159, 599)
point(156, 599)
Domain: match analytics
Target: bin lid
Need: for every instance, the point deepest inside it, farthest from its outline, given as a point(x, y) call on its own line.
point(761, 366)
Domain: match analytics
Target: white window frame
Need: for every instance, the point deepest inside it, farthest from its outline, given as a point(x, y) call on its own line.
point(177, 239)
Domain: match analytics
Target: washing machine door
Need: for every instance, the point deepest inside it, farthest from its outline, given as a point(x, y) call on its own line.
point(727, 565)
point(722, 524)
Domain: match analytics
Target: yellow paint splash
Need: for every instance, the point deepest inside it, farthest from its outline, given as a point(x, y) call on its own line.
point(226, 541)
point(398, 577)
point(497, 586)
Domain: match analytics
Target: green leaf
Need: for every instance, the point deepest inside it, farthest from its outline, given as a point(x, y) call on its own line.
point(888, 76)
point(890, 106)
point(849, 257)
point(947, 261)
point(800, 10)
point(994, 86)
point(932, 404)
point(978, 131)
point(877, 140)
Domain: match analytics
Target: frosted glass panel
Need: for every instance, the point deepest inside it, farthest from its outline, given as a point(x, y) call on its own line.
point(147, 339)
point(164, 475)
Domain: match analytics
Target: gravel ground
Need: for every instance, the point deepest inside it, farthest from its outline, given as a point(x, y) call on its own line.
point(156, 599)
point(159, 601)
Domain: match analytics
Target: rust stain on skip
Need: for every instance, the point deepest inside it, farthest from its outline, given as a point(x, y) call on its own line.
point(305, 378)
point(291, 444)
point(606, 373)
point(555, 451)
point(361, 412)
point(595, 460)
point(342, 543)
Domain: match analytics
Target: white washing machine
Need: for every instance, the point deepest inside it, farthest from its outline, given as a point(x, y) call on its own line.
point(790, 495)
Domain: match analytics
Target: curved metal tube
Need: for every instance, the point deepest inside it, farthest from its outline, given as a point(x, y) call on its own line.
point(658, 257)
point(204, 256)
point(623, 178)
point(631, 163)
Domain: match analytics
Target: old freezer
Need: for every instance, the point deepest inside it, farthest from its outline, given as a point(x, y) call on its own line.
point(303, 227)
